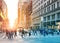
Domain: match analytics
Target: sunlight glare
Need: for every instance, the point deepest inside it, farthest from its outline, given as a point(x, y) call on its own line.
point(12, 11)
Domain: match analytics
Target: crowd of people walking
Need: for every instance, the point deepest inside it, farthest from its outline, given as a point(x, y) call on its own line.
point(44, 32)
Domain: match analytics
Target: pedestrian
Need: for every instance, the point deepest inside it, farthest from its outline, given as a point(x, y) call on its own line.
point(15, 33)
point(22, 33)
point(29, 34)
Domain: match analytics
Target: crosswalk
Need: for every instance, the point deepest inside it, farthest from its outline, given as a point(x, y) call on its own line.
point(30, 39)
point(3, 36)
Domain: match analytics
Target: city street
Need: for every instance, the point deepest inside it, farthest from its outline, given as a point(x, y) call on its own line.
point(29, 21)
point(32, 39)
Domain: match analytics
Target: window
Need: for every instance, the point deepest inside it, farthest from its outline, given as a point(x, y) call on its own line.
point(44, 18)
point(52, 0)
point(53, 16)
point(48, 17)
point(41, 7)
point(44, 0)
point(45, 10)
point(58, 15)
point(48, 8)
point(57, 4)
point(44, 4)
point(47, 2)
point(41, 11)
point(53, 6)
point(55, 0)
point(41, 1)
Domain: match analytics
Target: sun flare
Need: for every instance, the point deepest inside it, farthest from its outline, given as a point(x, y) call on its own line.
point(12, 11)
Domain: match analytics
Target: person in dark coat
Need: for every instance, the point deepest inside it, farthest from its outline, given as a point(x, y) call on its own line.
point(22, 33)
point(29, 34)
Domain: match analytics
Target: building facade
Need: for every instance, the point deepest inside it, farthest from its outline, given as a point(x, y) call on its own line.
point(3, 15)
point(21, 14)
point(28, 14)
point(49, 12)
point(24, 13)
point(36, 19)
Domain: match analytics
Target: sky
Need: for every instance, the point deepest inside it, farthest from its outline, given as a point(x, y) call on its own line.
point(12, 10)
point(12, 6)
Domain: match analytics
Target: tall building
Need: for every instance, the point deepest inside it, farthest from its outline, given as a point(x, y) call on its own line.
point(21, 14)
point(19, 9)
point(3, 14)
point(28, 14)
point(24, 13)
point(49, 12)
point(51, 15)
point(36, 19)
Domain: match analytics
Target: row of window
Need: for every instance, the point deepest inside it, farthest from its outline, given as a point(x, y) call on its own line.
point(48, 2)
point(37, 10)
point(36, 1)
point(46, 9)
point(36, 4)
point(50, 8)
point(42, 1)
point(53, 17)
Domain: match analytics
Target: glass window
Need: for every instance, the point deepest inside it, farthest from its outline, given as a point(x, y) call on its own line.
point(44, 18)
point(41, 7)
point(57, 4)
point(41, 1)
point(48, 8)
point(48, 2)
point(48, 17)
point(52, 0)
point(45, 10)
point(55, 0)
point(53, 6)
point(53, 16)
point(58, 15)
point(41, 11)
point(44, 0)
point(44, 4)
